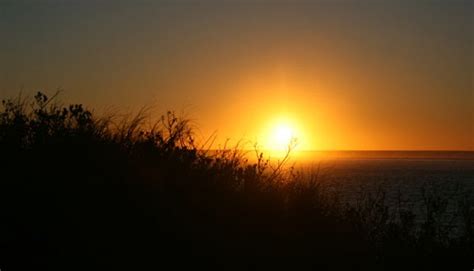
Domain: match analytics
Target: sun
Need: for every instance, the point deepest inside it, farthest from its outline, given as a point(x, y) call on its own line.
point(281, 135)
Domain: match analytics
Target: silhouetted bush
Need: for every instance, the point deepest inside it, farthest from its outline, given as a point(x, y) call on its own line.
point(83, 192)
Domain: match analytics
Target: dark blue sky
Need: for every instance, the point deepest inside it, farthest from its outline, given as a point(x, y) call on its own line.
point(358, 74)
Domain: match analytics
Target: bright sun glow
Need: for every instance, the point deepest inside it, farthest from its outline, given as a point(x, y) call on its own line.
point(280, 135)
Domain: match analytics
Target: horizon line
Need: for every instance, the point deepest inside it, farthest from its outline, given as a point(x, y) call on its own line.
point(359, 150)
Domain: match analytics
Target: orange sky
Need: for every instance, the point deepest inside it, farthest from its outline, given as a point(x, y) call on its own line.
point(368, 75)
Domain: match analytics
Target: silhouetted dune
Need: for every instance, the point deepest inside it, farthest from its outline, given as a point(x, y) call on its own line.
point(82, 192)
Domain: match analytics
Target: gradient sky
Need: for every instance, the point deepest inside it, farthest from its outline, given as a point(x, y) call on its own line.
point(349, 74)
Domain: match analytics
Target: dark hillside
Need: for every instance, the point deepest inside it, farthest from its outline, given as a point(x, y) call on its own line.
point(78, 191)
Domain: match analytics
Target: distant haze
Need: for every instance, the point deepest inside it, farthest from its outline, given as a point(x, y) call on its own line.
point(358, 75)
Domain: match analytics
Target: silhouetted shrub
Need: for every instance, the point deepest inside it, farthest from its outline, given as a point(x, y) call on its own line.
point(82, 192)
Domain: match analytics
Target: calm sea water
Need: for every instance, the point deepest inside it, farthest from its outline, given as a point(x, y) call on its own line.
point(406, 178)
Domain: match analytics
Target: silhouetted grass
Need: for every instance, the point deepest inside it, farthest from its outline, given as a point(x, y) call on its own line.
point(79, 191)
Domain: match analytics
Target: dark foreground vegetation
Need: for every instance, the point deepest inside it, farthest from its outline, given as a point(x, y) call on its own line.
point(78, 192)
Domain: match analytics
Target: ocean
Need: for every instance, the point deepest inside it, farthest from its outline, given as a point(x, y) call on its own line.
point(406, 179)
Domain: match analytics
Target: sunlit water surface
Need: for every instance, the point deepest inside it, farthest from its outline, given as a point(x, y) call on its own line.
point(405, 178)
